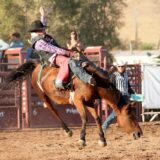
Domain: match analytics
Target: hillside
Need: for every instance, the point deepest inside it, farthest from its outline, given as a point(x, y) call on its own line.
point(145, 16)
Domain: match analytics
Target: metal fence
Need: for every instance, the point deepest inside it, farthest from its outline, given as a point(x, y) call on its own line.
point(20, 107)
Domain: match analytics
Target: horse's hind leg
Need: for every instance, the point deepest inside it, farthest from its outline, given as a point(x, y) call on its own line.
point(102, 140)
point(81, 109)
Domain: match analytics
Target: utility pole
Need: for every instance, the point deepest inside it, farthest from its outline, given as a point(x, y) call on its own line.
point(136, 28)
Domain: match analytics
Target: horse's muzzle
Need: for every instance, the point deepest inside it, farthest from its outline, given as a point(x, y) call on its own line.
point(137, 135)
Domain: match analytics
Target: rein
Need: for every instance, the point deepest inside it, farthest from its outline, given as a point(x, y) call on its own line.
point(40, 72)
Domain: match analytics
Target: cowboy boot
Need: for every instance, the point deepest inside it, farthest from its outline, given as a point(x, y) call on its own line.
point(92, 68)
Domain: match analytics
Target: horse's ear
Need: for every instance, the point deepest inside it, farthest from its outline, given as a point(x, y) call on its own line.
point(126, 106)
point(129, 104)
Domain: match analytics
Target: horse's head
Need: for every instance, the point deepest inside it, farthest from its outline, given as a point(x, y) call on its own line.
point(127, 120)
point(107, 91)
point(125, 112)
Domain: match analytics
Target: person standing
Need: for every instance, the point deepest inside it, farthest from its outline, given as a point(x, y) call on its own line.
point(120, 79)
point(3, 47)
point(74, 43)
point(16, 41)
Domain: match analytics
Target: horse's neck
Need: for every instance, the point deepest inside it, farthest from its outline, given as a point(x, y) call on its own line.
point(112, 97)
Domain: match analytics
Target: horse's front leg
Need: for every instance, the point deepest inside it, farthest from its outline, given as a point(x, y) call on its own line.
point(102, 140)
point(82, 111)
point(49, 105)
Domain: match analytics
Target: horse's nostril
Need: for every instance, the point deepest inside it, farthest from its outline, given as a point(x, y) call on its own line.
point(136, 135)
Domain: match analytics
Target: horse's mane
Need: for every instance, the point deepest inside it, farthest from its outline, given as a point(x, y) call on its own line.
point(106, 83)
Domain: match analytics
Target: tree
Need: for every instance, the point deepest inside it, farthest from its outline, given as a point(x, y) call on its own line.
point(13, 15)
point(97, 21)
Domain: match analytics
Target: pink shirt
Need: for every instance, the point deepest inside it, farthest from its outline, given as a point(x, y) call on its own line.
point(41, 45)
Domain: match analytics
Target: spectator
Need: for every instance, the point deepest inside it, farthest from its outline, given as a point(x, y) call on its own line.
point(3, 47)
point(74, 42)
point(16, 41)
point(120, 79)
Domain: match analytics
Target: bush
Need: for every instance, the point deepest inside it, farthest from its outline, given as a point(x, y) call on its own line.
point(147, 46)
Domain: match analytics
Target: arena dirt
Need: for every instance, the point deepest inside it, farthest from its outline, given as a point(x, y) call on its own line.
point(53, 144)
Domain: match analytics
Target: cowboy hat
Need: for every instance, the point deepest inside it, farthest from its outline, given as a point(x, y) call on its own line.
point(37, 25)
point(120, 63)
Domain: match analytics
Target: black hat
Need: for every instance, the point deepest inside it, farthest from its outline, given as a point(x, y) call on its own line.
point(37, 25)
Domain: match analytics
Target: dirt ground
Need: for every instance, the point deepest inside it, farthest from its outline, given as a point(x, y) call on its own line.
point(53, 144)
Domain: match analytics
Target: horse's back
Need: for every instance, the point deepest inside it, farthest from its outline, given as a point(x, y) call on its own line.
point(46, 71)
point(47, 77)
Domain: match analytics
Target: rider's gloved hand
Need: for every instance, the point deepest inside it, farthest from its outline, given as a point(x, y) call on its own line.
point(73, 54)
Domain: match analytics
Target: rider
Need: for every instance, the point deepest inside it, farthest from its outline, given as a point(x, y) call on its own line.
point(41, 41)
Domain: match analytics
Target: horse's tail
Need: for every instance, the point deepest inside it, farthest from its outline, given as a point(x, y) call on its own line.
point(22, 72)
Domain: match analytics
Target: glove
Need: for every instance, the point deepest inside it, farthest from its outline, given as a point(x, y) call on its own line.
point(75, 55)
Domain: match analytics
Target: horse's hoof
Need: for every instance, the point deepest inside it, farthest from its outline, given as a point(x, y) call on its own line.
point(82, 143)
point(69, 133)
point(101, 143)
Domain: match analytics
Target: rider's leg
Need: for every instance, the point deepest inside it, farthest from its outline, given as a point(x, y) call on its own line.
point(99, 71)
point(63, 73)
point(79, 71)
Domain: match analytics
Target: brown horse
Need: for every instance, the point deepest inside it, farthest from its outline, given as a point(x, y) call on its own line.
point(83, 98)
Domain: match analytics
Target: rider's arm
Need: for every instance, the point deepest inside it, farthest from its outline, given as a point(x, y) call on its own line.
point(41, 45)
point(42, 13)
point(43, 20)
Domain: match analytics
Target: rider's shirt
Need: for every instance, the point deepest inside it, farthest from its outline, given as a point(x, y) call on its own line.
point(48, 44)
point(42, 45)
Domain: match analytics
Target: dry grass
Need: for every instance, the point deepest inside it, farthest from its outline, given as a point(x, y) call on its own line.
point(147, 15)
